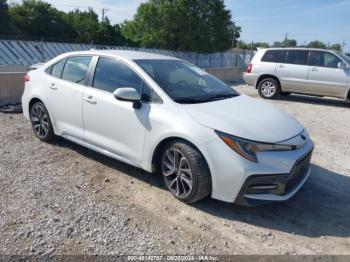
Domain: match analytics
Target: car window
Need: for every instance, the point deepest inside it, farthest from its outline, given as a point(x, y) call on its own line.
point(297, 57)
point(184, 82)
point(271, 56)
point(324, 59)
point(76, 68)
point(111, 74)
point(282, 57)
point(57, 68)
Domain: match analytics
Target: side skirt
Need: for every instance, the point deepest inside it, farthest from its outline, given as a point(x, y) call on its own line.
point(101, 151)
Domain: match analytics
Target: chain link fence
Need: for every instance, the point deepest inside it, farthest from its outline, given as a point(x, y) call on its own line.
point(13, 52)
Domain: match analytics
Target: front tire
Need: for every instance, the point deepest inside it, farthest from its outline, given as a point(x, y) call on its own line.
point(41, 122)
point(185, 172)
point(269, 88)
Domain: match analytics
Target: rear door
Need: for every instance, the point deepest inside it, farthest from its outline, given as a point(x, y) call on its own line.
point(325, 78)
point(292, 70)
point(65, 91)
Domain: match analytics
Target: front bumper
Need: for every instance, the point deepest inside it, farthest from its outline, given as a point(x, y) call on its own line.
point(260, 189)
point(230, 172)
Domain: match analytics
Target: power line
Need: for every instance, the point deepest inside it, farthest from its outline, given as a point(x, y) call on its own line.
point(103, 9)
point(86, 7)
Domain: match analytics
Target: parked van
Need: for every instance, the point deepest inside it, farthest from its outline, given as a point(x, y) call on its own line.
point(281, 71)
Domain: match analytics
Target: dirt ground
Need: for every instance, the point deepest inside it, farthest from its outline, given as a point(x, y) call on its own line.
point(61, 198)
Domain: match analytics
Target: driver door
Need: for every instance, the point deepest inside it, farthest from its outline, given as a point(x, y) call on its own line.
point(111, 124)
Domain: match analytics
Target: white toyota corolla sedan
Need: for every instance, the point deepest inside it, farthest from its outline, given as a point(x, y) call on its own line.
point(163, 114)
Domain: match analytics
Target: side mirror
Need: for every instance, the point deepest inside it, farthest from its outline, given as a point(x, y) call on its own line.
point(128, 94)
point(342, 65)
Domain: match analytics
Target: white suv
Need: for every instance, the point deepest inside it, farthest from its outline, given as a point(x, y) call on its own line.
point(163, 114)
point(281, 71)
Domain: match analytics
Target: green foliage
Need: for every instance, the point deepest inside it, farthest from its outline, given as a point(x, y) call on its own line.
point(317, 44)
point(289, 43)
point(252, 46)
point(277, 44)
point(4, 18)
point(336, 47)
point(190, 25)
point(38, 19)
point(35, 19)
point(85, 24)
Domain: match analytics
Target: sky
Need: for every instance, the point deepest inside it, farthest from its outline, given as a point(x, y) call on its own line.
point(261, 20)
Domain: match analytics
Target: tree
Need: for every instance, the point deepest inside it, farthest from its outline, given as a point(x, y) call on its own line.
point(85, 25)
point(336, 47)
point(277, 44)
point(261, 45)
point(289, 42)
point(36, 19)
point(191, 25)
point(317, 44)
point(4, 18)
point(242, 45)
point(253, 46)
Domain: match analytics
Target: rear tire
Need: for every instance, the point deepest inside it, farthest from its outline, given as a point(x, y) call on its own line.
point(185, 172)
point(41, 122)
point(269, 88)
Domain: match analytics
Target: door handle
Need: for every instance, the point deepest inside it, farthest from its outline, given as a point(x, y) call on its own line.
point(314, 69)
point(281, 66)
point(53, 86)
point(90, 100)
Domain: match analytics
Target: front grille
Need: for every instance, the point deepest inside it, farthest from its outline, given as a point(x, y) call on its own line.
point(298, 172)
point(278, 184)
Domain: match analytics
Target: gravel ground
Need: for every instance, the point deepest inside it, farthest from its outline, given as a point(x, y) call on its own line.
point(61, 198)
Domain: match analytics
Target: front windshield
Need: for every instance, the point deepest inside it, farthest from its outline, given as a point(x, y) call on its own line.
point(345, 57)
point(184, 82)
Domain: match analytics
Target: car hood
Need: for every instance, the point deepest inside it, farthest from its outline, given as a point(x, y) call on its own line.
point(247, 118)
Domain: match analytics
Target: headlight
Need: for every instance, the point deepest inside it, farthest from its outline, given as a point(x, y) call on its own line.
point(248, 149)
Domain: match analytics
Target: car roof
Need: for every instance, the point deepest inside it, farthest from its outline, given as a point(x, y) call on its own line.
point(126, 54)
point(297, 48)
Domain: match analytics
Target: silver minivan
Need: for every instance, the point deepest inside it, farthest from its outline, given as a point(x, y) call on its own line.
point(282, 71)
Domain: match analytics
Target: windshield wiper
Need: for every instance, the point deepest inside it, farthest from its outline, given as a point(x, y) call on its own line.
point(220, 97)
point(189, 100)
point(186, 100)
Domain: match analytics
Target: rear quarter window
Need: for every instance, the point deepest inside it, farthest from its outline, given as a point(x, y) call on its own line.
point(56, 69)
point(271, 56)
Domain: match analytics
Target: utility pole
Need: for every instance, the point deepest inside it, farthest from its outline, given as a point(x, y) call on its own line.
point(343, 45)
point(104, 11)
point(285, 40)
point(233, 38)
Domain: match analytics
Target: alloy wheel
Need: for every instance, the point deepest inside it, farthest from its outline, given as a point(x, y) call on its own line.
point(40, 121)
point(177, 173)
point(268, 89)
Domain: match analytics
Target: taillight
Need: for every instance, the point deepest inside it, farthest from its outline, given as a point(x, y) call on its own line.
point(26, 78)
point(250, 68)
